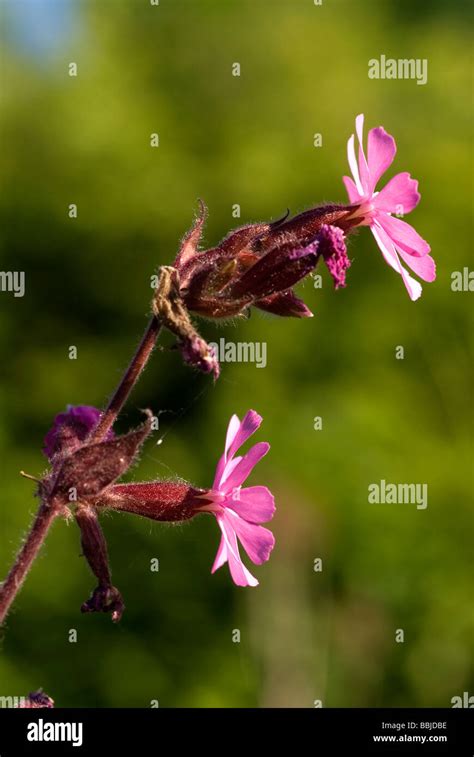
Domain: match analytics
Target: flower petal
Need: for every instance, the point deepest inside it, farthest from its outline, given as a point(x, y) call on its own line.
point(255, 503)
point(403, 235)
point(240, 575)
point(390, 254)
point(221, 556)
point(245, 466)
point(248, 426)
point(257, 541)
point(424, 267)
point(400, 195)
point(381, 149)
point(363, 167)
point(232, 430)
point(237, 433)
point(352, 191)
point(353, 164)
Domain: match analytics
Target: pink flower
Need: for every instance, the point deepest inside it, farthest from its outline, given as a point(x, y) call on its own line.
point(396, 238)
point(239, 511)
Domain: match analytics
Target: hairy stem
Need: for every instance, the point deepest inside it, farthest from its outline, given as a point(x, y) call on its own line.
point(128, 380)
point(47, 512)
point(26, 556)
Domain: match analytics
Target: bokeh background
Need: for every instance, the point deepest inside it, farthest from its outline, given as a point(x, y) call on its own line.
point(305, 635)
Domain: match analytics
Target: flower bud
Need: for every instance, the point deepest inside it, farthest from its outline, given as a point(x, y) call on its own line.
point(93, 467)
point(70, 430)
point(306, 226)
point(158, 500)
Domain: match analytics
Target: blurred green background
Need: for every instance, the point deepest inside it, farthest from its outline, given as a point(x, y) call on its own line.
point(305, 635)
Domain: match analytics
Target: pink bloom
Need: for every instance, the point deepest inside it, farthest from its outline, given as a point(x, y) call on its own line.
point(239, 511)
point(396, 238)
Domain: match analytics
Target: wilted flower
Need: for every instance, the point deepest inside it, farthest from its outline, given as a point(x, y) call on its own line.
point(37, 700)
point(169, 307)
point(395, 238)
point(225, 280)
point(256, 265)
point(332, 247)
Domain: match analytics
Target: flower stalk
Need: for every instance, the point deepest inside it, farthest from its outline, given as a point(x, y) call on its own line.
point(105, 597)
point(257, 265)
point(28, 553)
point(128, 380)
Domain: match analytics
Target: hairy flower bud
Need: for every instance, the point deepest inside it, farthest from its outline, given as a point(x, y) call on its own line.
point(93, 467)
point(306, 226)
point(70, 430)
point(280, 268)
point(157, 500)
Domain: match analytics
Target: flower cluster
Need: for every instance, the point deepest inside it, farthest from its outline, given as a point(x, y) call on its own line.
point(258, 266)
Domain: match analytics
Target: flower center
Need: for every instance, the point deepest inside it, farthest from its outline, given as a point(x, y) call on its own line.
point(363, 214)
point(214, 500)
point(235, 496)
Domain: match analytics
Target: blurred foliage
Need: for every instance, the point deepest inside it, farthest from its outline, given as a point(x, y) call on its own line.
point(247, 140)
